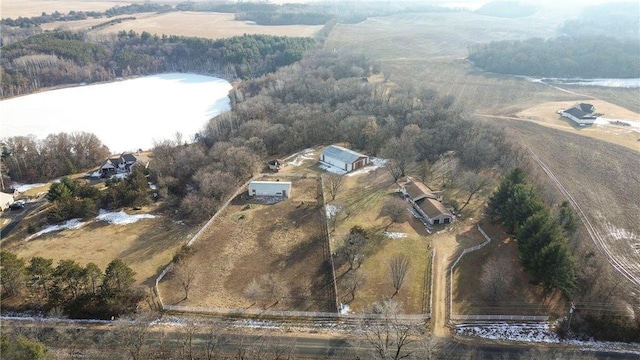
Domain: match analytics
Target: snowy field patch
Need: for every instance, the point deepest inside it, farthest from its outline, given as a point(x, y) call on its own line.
point(331, 169)
point(534, 332)
point(121, 218)
point(181, 102)
point(631, 124)
point(69, 224)
point(344, 309)
point(331, 210)
point(299, 158)
point(394, 235)
point(25, 187)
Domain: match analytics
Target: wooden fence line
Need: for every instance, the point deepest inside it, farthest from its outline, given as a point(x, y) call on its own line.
point(167, 268)
point(453, 316)
point(299, 314)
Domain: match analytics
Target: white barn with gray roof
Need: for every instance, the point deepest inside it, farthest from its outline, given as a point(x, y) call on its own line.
point(343, 158)
point(270, 188)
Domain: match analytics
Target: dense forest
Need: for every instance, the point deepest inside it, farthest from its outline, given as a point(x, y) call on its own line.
point(564, 57)
point(59, 58)
point(602, 42)
point(82, 15)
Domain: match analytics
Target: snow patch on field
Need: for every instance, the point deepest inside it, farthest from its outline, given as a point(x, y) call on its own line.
point(514, 332)
point(344, 309)
point(631, 124)
point(25, 187)
point(299, 158)
point(121, 218)
point(620, 234)
point(331, 210)
point(394, 235)
point(69, 224)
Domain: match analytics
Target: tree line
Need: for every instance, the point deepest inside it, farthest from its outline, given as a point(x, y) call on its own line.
point(83, 15)
point(73, 199)
point(29, 159)
point(70, 288)
point(564, 57)
point(58, 58)
point(542, 242)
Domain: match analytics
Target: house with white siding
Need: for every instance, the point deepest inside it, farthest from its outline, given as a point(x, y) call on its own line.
point(343, 158)
point(582, 114)
point(270, 188)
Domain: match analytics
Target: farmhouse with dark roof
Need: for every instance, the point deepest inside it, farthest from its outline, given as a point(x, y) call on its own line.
point(582, 114)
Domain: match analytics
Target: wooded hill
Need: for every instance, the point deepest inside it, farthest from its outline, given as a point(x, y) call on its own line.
point(60, 58)
point(564, 57)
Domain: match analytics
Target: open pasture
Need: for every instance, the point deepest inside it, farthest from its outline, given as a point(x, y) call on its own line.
point(198, 24)
point(251, 239)
point(27, 8)
point(360, 203)
point(146, 246)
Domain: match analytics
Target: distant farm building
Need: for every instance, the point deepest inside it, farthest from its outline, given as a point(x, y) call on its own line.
point(270, 188)
point(276, 165)
point(582, 114)
point(426, 202)
point(343, 158)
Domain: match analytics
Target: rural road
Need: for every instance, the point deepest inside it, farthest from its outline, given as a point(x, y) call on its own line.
point(17, 216)
point(306, 345)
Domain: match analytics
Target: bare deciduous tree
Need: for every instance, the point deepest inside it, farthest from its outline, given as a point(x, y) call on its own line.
point(496, 277)
point(273, 289)
point(353, 247)
point(390, 337)
point(132, 334)
point(399, 267)
point(396, 209)
point(399, 152)
point(350, 283)
point(333, 183)
point(185, 271)
point(473, 183)
point(253, 291)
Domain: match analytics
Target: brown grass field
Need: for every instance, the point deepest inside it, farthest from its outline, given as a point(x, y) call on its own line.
point(283, 239)
point(146, 246)
point(199, 24)
point(521, 299)
point(28, 8)
point(362, 198)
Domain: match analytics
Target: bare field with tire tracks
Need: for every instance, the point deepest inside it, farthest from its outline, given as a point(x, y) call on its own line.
point(602, 181)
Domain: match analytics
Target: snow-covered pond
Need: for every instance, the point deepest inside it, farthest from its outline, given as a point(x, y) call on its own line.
point(125, 115)
point(616, 83)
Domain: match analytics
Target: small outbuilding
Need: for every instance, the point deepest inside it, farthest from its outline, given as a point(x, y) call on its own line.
point(343, 158)
point(276, 165)
point(270, 188)
point(581, 114)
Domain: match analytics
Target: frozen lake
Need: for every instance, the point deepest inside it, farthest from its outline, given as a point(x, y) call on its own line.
point(125, 115)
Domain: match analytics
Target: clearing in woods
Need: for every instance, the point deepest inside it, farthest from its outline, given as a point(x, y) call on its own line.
point(250, 239)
